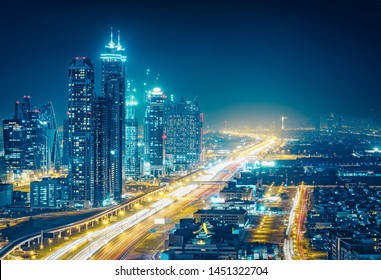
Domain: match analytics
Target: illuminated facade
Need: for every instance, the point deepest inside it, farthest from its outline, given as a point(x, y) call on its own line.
point(101, 152)
point(50, 158)
point(183, 132)
point(132, 154)
point(31, 139)
point(80, 132)
point(154, 133)
point(114, 90)
point(14, 132)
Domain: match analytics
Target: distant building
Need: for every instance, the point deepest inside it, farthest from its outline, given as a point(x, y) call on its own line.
point(47, 194)
point(182, 135)
point(232, 216)
point(6, 194)
point(65, 142)
point(154, 133)
point(80, 135)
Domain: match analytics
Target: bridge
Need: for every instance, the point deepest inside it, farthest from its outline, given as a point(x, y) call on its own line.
point(42, 238)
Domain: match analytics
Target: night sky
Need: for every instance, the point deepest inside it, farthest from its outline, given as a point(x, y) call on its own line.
point(246, 61)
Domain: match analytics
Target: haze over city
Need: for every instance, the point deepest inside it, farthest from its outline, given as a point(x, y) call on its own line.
point(246, 62)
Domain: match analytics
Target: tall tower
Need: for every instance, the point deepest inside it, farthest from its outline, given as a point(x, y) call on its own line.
point(154, 132)
point(132, 155)
point(114, 90)
point(101, 151)
point(48, 139)
point(284, 122)
point(183, 135)
point(80, 132)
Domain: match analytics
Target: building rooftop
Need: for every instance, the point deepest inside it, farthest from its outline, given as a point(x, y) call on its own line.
point(221, 211)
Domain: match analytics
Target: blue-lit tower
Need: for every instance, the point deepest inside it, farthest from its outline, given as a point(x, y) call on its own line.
point(183, 135)
point(154, 133)
point(80, 132)
point(114, 90)
point(132, 163)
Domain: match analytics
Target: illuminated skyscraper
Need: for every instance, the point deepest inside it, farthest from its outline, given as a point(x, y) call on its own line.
point(14, 132)
point(132, 155)
point(30, 139)
point(114, 90)
point(101, 152)
point(154, 132)
point(50, 158)
point(183, 132)
point(80, 133)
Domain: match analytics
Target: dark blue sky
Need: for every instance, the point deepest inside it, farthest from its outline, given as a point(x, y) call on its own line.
point(245, 60)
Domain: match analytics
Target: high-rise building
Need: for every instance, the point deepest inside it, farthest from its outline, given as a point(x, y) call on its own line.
point(114, 90)
point(14, 134)
point(132, 153)
point(80, 133)
point(50, 158)
point(101, 152)
point(154, 132)
point(31, 139)
point(182, 130)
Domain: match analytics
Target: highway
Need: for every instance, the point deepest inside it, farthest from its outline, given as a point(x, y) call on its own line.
point(133, 229)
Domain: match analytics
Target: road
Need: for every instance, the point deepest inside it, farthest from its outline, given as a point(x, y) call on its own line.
point(135, 228)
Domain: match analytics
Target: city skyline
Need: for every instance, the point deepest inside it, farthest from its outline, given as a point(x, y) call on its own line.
point(264, 59)
point(190, 130)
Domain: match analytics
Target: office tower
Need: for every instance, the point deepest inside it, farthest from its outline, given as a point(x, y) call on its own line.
point(182, 130)
point(101, 152)
point(14, 134)
point(31, 139)
point(80, 122)
point(48, 139)
point(32, 147)
point(114, 89)
point(132, 163)
point(154, 132)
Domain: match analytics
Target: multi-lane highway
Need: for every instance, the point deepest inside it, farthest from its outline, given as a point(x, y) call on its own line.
point(114, 241)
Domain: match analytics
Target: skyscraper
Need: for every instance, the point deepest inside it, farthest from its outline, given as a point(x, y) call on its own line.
point(183, 132)
point(14, 132)
point(154, 132)
point(114, 90)
point(101, 151)
point(132, 154)
point(31, 139)
point(48, 139)
point(80, 133)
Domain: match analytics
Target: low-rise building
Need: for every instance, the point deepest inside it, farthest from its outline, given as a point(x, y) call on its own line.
point(224, 216)
point(47, 194)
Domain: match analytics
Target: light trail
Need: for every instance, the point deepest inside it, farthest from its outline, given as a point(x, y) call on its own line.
point(288, 249)
point(98, 239)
